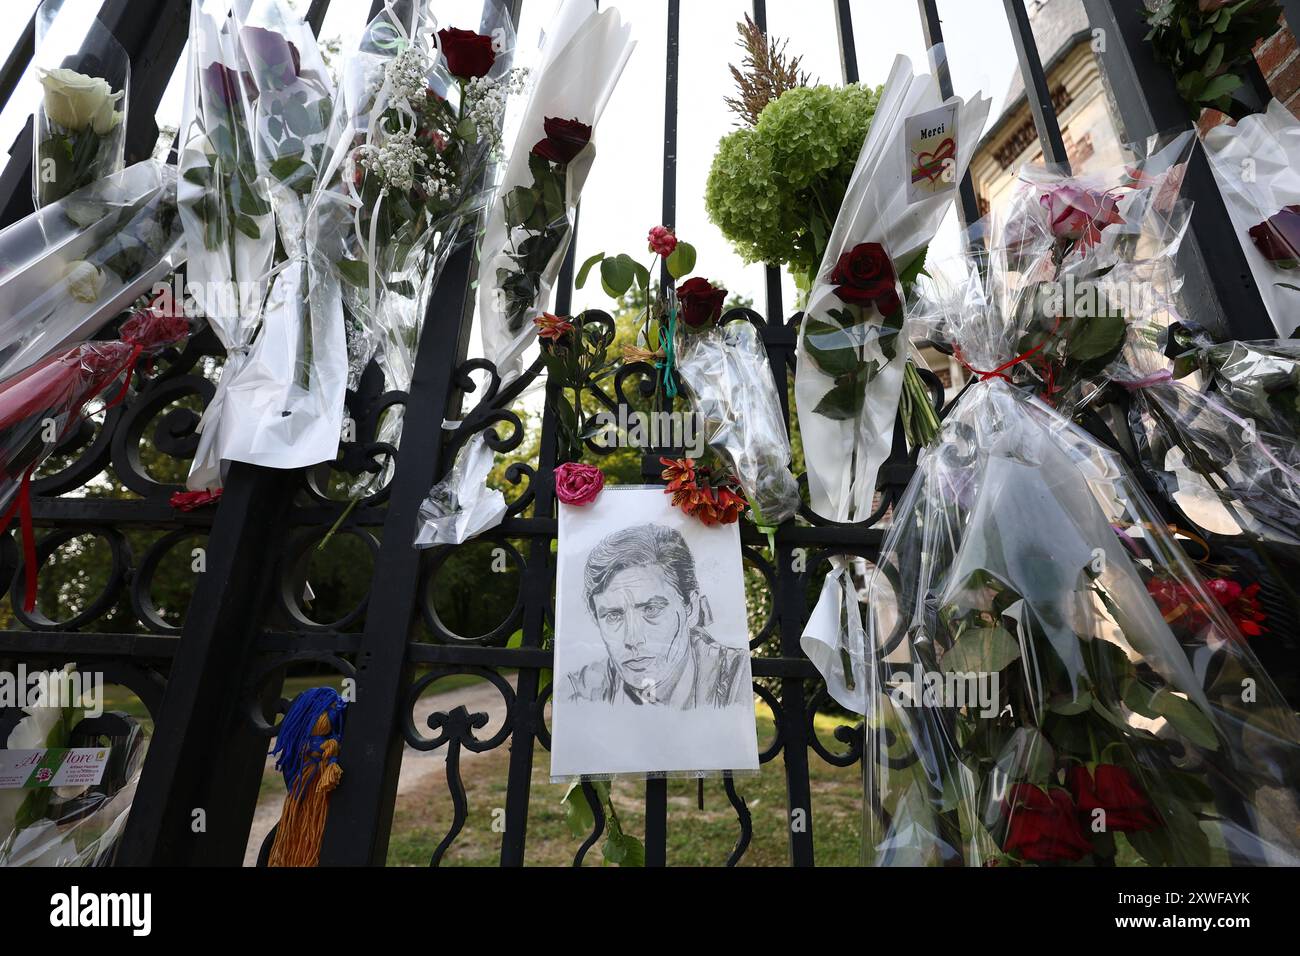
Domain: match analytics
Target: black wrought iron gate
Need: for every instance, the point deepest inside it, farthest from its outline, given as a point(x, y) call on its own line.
point(211, 680)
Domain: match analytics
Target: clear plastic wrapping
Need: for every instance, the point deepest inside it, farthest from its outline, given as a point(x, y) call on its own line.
point(730, 382)
point(225, 207)
point(85, 75)
point(1257, 379)
point(529, 223)
point(1049, 680)
point(84, 277)
point(404, 172)
point(462, 505)
point(71, 826)
point(276, 400)
point(1226, 472)
point(1256, 164)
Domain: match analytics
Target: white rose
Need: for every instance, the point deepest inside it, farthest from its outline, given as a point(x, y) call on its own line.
point(84, 281)
point(76, 101)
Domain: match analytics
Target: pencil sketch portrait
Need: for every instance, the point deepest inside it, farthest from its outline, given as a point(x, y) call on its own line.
point(641, 589)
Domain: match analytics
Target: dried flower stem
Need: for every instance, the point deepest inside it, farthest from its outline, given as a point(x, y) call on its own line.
point(764, 74)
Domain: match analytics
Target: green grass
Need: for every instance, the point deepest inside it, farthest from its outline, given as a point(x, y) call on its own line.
point(695, 837)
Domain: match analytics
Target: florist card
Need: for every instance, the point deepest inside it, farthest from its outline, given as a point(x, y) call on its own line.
point(651, 642)
point(931, 139)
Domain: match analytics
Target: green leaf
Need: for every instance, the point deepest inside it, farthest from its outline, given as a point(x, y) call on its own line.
point(985, 650)
point(831, 349)
point(908, 275)
point(1027, 756)
point(682, 260)
point(247, 227)
point(354, 272)
point(1096, 337)
point(1220, 86)
point(844, 400)
point(586, 267)
point(617, 275)
point(1186, 718)
point(1068, 705)
point(1215, 59)
point(577, 811)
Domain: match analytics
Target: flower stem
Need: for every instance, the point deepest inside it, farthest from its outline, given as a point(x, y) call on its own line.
point(920, 423)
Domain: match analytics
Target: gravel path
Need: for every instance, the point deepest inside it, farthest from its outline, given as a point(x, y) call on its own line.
point(418, 767)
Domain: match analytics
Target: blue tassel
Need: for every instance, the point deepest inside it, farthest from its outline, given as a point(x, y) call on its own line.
point(298, 747)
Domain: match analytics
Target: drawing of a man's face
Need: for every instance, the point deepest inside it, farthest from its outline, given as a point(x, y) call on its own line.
point(643, 594)
point(645, 624)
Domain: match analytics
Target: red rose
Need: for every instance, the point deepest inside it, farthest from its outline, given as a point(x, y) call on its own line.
point(864, 275)
point(578, 484)
point(275, 61)
point(469, 55)
point(1242, 604)
point(701, 302)
point(1043, 825)
point(565, 139)
point(1278, 237)
point(1112, 789)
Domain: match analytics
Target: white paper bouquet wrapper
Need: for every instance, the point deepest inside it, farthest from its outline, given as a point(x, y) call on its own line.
point(1257, 166)
point(844, 454)
point(730, 382)
point(80, 123)
point(1099, 672)
point(62, 282)
point(462, 505)
point(225, 208)
point(581, 62)
point(279, 399)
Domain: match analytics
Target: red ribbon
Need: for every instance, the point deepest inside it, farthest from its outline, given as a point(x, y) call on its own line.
point(22, 503)
point(1000, 371)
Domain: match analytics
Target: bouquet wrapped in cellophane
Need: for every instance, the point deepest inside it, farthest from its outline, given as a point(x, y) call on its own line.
point(67, 281)
point(41, 405)
point(71, 825)
point(530, 220)
point(416, 122)
point(1256, 164)
point(1049, 679)
point(1226, 473)
point(853, 348)
point(726, 371)
point(225, 207)
point(1258, 379)
point(80, 123)
point(275, 401)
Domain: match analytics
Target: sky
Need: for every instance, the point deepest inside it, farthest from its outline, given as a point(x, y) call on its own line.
point(622, 197)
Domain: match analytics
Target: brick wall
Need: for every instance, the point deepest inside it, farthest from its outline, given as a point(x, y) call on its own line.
point(1279, 60)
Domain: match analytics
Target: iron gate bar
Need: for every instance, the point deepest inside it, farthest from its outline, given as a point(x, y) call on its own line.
point(361, 813)
point(16, 63)
point(968, 208)
point(773, 308)
point(1040, 97)
point(1216, 275)
point(199, 756)
point(848, 49)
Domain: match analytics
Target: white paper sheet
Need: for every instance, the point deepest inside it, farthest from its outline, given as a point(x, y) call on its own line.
point(652, 671)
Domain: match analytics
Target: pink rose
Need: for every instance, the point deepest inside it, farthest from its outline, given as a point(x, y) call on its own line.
point(578, 484)
point(1075, 213)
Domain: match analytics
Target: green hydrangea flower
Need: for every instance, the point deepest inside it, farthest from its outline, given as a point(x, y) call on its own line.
point(774, 190)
